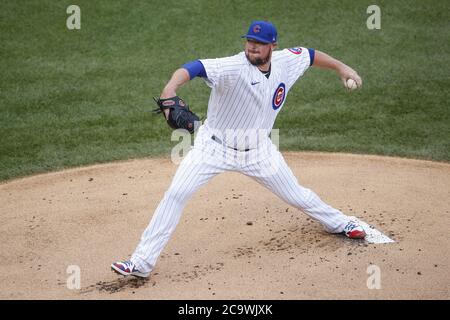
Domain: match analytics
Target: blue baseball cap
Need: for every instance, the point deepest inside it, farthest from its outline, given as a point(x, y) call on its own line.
point(262, 31)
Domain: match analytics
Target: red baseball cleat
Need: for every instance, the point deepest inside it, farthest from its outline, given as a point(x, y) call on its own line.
point(354, 230)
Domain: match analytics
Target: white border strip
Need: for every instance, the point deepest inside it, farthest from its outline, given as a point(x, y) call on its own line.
point(373, 235)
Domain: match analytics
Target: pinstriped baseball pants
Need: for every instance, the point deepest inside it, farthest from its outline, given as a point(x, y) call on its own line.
point(203, 162)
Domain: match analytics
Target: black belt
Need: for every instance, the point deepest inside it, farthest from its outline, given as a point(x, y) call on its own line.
point(220, 141)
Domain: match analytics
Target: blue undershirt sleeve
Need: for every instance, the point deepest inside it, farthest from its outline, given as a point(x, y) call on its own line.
point(195, 69)
point(311, 56)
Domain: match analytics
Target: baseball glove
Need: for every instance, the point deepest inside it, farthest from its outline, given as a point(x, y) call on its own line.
point(179, 114)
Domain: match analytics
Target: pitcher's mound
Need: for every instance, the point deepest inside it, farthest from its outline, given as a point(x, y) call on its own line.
point(235, 240)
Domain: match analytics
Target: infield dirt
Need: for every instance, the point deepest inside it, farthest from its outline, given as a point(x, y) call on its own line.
point(235, 240)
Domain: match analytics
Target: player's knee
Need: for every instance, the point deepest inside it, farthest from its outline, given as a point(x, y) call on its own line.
point(176, 195)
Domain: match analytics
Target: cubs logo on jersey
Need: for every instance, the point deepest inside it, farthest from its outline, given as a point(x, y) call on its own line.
point(278, 96)
point(295, 50)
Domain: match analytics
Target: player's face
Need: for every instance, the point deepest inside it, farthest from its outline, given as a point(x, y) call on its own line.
point(258, 53)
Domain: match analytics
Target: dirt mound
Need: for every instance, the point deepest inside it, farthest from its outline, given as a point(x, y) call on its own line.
point(235, 239)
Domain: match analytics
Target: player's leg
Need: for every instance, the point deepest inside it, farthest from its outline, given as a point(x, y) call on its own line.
point(193, 172)
point(274, 173)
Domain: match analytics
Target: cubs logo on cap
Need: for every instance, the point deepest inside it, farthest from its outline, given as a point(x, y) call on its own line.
point(257, 28)
point(278, 96)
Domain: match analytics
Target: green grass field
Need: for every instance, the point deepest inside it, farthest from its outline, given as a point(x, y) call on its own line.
point(75, 97)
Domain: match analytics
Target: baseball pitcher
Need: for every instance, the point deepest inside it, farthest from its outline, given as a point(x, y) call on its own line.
point(248, 91)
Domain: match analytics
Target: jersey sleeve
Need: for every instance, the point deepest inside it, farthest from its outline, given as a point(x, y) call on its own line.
point(298, 60)
point(221, 73)
point(195, 69)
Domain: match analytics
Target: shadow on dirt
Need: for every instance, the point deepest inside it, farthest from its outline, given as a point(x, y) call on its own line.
point(117, 285)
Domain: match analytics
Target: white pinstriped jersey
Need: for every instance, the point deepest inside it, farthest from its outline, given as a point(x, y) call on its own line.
point(243, 99)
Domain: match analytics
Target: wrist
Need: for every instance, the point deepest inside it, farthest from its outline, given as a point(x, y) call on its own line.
point(340, 67)
point(180, 77)
point(168, 92)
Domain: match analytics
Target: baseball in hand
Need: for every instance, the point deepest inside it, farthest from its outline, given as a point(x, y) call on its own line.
point(351, 84)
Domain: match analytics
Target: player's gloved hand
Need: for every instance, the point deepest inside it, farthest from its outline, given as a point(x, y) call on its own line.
point(179, 114)
point(345, 72)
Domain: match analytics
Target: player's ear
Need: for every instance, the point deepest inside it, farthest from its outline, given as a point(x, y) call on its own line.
point(274, 45)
